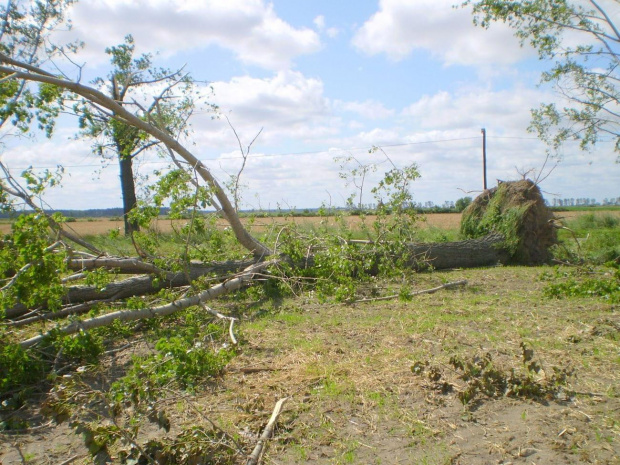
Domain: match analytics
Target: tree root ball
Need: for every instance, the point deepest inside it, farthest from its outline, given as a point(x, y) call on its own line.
point(517, 211)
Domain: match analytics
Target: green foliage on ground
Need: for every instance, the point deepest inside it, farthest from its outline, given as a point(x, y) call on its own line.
point(18, 368)
point(483, 377)
point(30, 265)
point(586, 281)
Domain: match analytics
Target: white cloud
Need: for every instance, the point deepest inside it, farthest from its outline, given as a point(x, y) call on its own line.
point(506, 109)
point(400, 27)
point(249, 28)
point(319, 22)
point(286, 105)
point(332, 32)
point(370, 109)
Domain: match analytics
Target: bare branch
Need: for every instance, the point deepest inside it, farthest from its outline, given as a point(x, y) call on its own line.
point(131, 315)
point(256, 454)
point(120, 113)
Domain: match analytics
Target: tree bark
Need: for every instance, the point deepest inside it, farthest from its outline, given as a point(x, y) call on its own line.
point(472, 253)
point(136, 285)
point(128, 190)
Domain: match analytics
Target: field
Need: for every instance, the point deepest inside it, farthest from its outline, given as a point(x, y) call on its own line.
point(446, 221)
point(493, 372)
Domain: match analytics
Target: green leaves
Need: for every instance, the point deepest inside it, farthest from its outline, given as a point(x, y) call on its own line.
point(17, 367)
point(603, 283)
point(25, 37)
point(30, 267)
point(586, 74)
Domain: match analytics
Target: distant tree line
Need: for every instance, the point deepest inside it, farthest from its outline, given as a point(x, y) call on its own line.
point(583, 202)
point(91, 213)
point(447, 206)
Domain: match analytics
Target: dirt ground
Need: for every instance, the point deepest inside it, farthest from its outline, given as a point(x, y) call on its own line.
point(372, 382)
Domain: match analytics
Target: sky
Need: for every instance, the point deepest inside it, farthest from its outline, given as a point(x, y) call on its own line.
point(325, 80)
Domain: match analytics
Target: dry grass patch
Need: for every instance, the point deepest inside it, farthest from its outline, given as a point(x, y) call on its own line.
point(354, 398)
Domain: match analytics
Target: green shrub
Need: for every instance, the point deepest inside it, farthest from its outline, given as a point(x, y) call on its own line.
point(18, 367)
point(84, 347)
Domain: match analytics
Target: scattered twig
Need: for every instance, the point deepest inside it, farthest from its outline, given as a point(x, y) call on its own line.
point(589, 394)
point(425, 291)
point(223, 317)
point(247, 370)
point(256, 454)
point(71, 459)
point(119, 349)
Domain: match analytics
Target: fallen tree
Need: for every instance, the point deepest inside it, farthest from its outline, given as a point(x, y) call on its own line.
point(505, 224)
point(516, 224)
point(48, 273)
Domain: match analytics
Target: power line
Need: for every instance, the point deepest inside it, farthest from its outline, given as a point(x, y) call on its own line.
point(268, 155)
point(287, 154)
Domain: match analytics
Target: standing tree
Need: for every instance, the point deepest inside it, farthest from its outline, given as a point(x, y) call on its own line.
point(148, 119)
point(117, 139)
point(586, 75)
point(462, 203)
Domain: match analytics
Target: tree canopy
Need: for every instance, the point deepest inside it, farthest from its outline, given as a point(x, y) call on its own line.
point(581, 39)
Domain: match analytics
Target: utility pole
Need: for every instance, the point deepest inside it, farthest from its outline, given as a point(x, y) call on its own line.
point(484, 157)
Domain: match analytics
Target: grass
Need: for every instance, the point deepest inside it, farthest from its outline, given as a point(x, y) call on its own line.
point(591, 237)
point(347, 369)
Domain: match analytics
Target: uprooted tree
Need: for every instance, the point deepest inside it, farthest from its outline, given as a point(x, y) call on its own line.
point(508, 231)
point(47, 272)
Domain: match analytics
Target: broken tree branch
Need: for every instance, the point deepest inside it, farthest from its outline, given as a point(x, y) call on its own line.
point(131, 315)
point(255, 456)
point(463, 282)
point(223, 317)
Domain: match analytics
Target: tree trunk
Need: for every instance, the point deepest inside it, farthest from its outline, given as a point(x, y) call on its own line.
point(136, 285)
point(219, 289)
point(128, 189)
point(472, 253)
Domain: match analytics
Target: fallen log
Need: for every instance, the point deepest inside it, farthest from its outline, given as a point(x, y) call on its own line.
point(229, 285)
point(470, 253)
point(136, 285)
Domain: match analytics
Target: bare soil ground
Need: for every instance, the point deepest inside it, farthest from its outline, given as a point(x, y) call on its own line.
point(354, 398)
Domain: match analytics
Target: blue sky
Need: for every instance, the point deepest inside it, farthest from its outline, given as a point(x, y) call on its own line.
point(332, 79)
